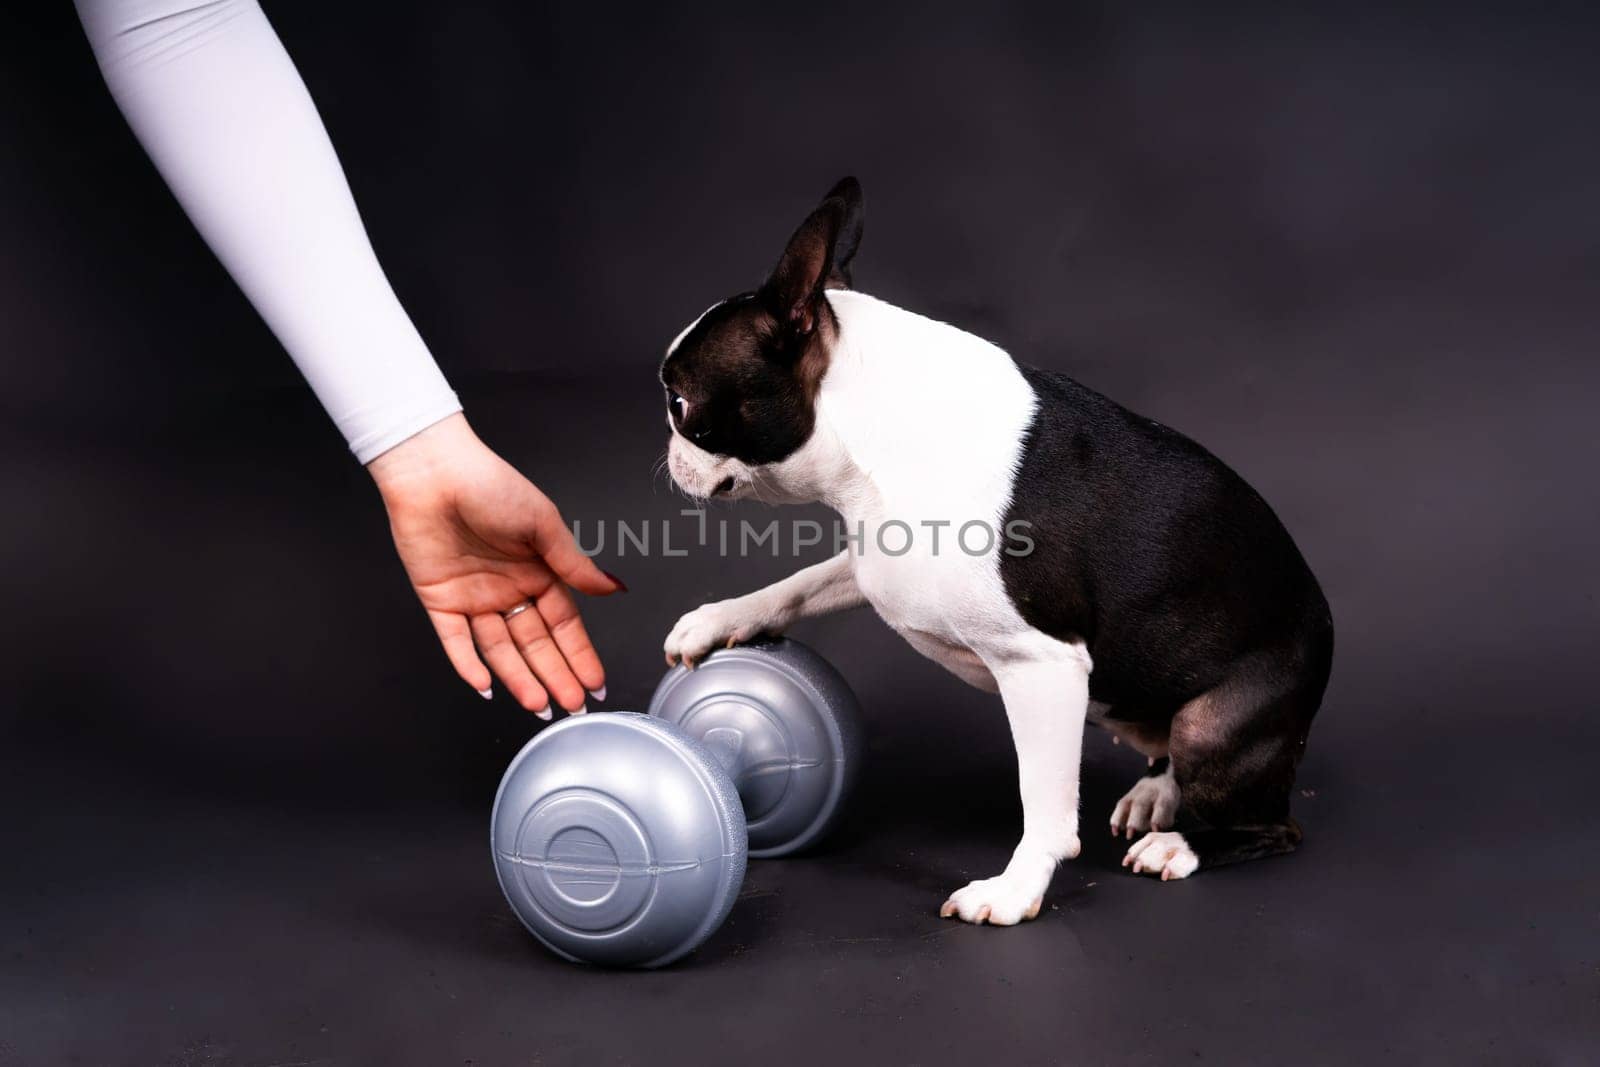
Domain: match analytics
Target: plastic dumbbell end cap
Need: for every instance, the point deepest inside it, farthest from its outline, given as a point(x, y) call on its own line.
point(783, 723)
point(618, 840)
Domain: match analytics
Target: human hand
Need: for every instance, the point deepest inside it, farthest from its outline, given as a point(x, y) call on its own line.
point(477, 540)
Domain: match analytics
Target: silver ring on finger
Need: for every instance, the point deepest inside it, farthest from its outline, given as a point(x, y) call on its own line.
point(518, 610)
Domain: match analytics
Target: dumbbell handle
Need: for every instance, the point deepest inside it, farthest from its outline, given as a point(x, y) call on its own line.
point(726, 744)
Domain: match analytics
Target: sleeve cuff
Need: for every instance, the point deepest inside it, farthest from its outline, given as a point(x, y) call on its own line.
point(370, 445)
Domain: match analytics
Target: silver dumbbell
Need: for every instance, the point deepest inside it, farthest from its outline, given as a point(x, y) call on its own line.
point(620, 839)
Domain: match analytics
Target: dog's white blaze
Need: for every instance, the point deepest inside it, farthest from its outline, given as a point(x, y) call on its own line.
point(691, 466)
point(678, 340)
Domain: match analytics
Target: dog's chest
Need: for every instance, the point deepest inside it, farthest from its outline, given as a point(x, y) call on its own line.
point(931, 422)
point(923, 591)
point(949, 608)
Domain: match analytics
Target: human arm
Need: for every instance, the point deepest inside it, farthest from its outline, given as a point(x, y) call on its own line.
point(222, 112)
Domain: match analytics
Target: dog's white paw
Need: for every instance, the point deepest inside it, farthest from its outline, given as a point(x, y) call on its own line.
point(1166, 854)
point(1001, 901)
point(721, 625)
point(1152, 804)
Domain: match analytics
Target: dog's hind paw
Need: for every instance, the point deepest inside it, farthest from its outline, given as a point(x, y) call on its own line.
point(1152, 804)
point(1166, 854)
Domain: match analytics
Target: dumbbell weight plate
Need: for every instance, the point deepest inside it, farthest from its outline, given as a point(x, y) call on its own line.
point(618, 840)
point(785, 723)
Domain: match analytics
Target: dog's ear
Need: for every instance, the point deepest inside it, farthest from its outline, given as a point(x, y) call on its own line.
point(817, 258)
point(848, 193)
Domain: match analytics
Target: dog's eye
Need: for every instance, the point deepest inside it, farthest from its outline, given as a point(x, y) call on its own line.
point(677, 406)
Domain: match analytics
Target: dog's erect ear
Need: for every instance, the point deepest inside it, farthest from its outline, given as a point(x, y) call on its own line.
point(847, 192)
point(817, 257)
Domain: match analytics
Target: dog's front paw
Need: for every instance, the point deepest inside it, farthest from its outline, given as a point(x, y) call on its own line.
point(1001, 901)
point(721, 625)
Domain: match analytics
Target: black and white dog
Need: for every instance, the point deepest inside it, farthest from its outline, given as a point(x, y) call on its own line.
point(1162, 598)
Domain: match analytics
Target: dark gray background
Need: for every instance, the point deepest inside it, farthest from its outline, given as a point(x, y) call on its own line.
point(1354, 252)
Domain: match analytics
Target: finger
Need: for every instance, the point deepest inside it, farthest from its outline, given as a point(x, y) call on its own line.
point(560, 614)
point(495, 642)
point(539, 650)
point(554, 542)
point(456, 637)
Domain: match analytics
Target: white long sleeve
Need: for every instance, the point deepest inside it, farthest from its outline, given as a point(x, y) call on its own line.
point(220, 108)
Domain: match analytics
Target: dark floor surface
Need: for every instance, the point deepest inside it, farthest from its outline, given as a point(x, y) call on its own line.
point(225, 849)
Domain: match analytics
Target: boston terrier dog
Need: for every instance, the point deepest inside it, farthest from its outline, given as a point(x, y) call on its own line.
point(1130, 578)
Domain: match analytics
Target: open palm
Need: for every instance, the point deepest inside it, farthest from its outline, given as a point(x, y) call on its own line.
point(477, 540)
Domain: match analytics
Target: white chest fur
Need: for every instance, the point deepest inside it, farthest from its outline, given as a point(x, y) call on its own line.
point(925, 424)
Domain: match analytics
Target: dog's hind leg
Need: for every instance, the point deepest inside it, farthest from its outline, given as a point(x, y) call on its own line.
point(1234, 752)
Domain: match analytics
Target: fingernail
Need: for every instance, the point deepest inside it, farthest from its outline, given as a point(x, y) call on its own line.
point(622, 586)
point(598, 695)
point(545, 713)
point(487, 694)
point(583, 709)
